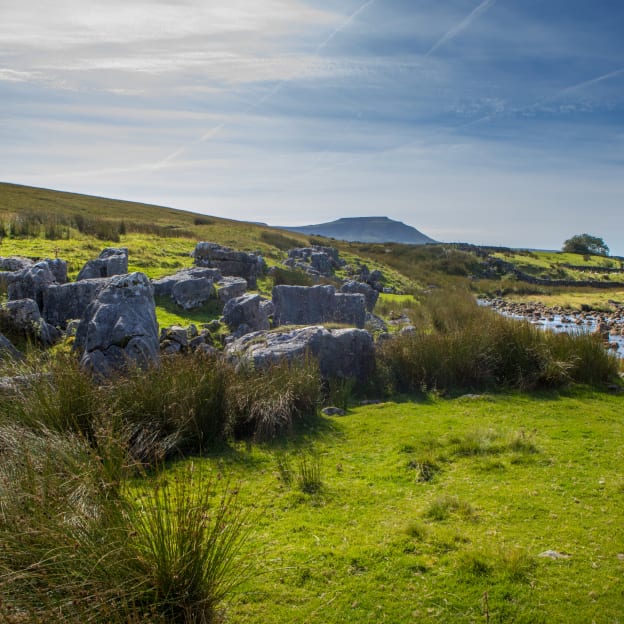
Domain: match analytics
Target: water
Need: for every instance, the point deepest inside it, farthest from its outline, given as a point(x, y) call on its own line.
point(569, 323)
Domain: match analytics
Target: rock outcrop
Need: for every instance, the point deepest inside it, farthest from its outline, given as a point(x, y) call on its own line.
point(316, 261)
point(65, 302)
point(308, 305)
point(111, 261)
point(247, 313)
point(119, 327)
point(23, 317)
point(32, 282)
point(7, 350)
point(370, 294)
point(232, 263)
point(341, 353)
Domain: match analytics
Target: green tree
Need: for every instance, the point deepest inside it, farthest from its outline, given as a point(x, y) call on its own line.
point(586, 244)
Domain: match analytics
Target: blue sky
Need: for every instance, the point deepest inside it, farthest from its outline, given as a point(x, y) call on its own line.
point(487, 121)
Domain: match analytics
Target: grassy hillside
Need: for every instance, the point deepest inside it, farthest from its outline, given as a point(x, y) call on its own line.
point(419, 508)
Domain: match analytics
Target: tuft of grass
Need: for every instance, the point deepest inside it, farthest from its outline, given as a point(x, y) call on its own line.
point(309, 472)
point(178, 407)
point(443, 507)
point(267, 402)
point(186, 545)
point(426, 465)
point(78, 545)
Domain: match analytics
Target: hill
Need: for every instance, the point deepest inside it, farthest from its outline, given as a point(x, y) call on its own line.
point(366, 230)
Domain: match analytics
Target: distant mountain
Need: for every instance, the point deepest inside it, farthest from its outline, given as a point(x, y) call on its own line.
point(366, 230)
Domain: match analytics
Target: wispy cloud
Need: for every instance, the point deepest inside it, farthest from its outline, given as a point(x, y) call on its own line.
point(465, 23)
point(593, 81)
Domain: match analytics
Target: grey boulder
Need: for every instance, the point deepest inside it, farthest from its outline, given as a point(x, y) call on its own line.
point(7, 350)
point(370, 294)
point(188, 288)
point(306, 305)
point(111, 261)
point(23, 317)
point(230, 287)
point(248, 311)
point(69, 301)
point(341, 353)
point(230, 262)
point(32, 282)
point(119, 327)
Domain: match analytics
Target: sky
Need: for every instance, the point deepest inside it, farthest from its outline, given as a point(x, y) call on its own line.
point(494, 122)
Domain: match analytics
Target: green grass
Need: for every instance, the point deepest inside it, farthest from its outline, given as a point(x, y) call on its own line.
point(378, 544)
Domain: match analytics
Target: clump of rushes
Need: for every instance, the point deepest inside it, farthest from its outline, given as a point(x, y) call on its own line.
point(80, 545)
point(267, 402)
point(186, 541)
point(176, 408)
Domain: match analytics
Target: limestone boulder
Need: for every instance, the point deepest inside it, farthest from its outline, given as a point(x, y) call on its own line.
point(341, 353)
point(23, 317)
point(8, 351)
point(15, 263)
point(119, 327)
point(307, 305)
point(247, 311)
point(189, 288)
point(32, 282)
point(111, 261)
point(231, 287)
point(65, 302)
point(249, 266)
point(370, 294)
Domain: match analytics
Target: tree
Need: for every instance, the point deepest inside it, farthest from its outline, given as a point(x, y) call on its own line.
point(586, 244)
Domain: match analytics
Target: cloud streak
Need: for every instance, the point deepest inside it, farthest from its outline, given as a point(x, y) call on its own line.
point(457, 29)
point(593, 81)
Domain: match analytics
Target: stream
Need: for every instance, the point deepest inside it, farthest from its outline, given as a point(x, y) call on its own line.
point(569, 322)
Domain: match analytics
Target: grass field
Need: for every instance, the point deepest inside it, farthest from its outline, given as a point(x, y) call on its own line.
point(437, 511)
point(413, 510)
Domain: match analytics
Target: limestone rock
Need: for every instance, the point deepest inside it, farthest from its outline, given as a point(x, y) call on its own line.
point(306, 305)
point(111, 261)
point(23, 316)
point(15, 263)
point(370, 294)
point(231, 263)
point(7, 350)
point(247, 310)
point(119, 327)
point(69, 301)
point(341, 353)
point(31, 283)
point(231, 287)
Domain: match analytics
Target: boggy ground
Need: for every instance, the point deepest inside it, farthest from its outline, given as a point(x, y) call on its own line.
point(438, 511)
